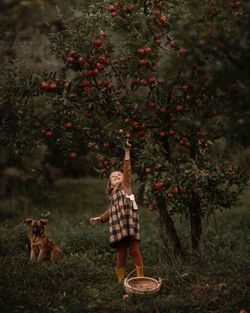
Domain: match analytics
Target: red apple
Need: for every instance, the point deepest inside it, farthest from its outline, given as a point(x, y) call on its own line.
point(202, 42)
point(127, 8)
point(114, 14)
point(159, 166)
point(87, 73)
point(140, 52)
point(70, 59)
point(106, 145)
point(171, 132)
point(87, 89)
point(181, 142)
point(116, 4)
point(111, 8)
point(53, 86)
point(185, 87)
point(173, 43)
point(147, 50)
point(82, 61)
point(143, 62)
point(157, 41)
point(49, 133)
point(175, 189)
point(141, 133)
point(157, 4)
point(162, 109)
point(68, 125)
point(95, 72)
point(72, 154)
point(73, 95)
point(182, 51)
point(73, 53)
point(99, 66)
point(151, 80)
point(161, 80)
point(98, 43)
point(105, 163)
point(102, 59)
point(103, 83)
point(179, 108)
point(159, 185)
point(152, 105)
point(86, 83)
point(135, 124)
point(144, 82)
point(156, 12)
point(162, 19)
point(45, 85)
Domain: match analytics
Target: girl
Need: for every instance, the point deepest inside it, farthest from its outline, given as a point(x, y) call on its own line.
point(123, 218)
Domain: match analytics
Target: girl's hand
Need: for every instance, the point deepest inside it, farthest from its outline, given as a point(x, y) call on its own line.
point(128, 145)
point(94, 220)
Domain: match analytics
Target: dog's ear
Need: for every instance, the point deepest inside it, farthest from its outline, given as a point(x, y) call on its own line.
point(44, 221)
point(28, 221)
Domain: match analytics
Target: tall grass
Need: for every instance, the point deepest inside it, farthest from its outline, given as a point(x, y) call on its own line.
point(84, 281)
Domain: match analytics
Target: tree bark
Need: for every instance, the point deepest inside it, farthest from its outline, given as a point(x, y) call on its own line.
point(196, 225)
point(195, 207)
point(170, 237)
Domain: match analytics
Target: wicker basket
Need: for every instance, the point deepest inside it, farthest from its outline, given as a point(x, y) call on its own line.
point(141, 285)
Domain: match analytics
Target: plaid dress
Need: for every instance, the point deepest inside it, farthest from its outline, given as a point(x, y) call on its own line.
point(123, 219)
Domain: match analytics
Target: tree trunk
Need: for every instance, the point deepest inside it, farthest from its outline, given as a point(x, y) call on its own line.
point(195, 207)
point(170, 237)
point(196, 225)
point(196, 233)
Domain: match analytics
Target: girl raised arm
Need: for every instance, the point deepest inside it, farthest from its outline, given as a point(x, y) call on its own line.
point(123, 217)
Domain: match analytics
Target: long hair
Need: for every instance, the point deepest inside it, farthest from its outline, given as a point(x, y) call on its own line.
point(109, 189)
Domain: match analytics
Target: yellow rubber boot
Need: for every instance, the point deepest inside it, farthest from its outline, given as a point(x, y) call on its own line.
point(139, 271)
point(120, 274)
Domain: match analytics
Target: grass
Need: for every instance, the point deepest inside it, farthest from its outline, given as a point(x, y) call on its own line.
point(84, 281)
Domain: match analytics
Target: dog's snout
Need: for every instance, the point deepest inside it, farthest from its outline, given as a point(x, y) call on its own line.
point(36, 230)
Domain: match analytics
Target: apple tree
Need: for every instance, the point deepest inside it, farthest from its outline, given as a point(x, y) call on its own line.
point(151, 71)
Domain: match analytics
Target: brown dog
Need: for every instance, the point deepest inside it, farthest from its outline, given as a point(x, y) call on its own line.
point(40, 245)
